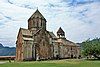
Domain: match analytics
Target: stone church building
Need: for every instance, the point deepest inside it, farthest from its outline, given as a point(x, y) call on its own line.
point(37, 43)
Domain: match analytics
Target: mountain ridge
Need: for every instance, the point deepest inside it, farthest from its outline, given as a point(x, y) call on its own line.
point(7, 51)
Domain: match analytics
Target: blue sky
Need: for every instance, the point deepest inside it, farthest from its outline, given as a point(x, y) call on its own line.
point(80, 19)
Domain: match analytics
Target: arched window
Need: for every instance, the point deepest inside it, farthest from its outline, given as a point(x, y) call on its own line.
point(41, 24)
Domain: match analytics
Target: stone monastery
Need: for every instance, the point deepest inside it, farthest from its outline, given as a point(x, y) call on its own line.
point(37, 43)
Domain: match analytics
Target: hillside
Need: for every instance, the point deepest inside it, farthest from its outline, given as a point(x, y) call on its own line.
point(7, 51)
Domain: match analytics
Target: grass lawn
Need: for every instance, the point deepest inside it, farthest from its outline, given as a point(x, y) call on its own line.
point(53, 63)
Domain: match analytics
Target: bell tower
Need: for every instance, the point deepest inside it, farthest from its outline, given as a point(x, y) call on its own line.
point(37, 21)
point(60, 33)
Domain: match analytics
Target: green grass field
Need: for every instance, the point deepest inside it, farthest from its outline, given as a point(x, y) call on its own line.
point(53, 63)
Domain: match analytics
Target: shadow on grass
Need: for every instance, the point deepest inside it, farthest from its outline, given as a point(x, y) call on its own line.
point(93, 59)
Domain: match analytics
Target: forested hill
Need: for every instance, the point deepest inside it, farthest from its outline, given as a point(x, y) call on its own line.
point(91, 48)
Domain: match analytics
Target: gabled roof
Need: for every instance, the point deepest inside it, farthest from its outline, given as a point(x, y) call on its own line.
point(25, 32)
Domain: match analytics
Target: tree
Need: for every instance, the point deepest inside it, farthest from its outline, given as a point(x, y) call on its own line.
point(91, 48)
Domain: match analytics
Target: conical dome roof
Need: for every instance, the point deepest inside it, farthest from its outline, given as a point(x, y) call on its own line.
point(60, 30)
point(37, 14)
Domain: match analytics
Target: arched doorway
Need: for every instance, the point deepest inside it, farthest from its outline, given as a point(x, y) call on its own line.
point(71, 55)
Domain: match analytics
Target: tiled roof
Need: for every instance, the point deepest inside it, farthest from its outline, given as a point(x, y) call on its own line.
point(52, 34)
point(67, 42)
point(25, 32)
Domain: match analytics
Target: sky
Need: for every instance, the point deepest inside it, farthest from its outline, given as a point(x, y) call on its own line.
point(80, 19)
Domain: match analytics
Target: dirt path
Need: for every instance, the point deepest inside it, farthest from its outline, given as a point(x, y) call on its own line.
point(2, 62)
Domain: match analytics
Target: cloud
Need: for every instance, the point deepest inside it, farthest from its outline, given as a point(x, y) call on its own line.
point(80, 21)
